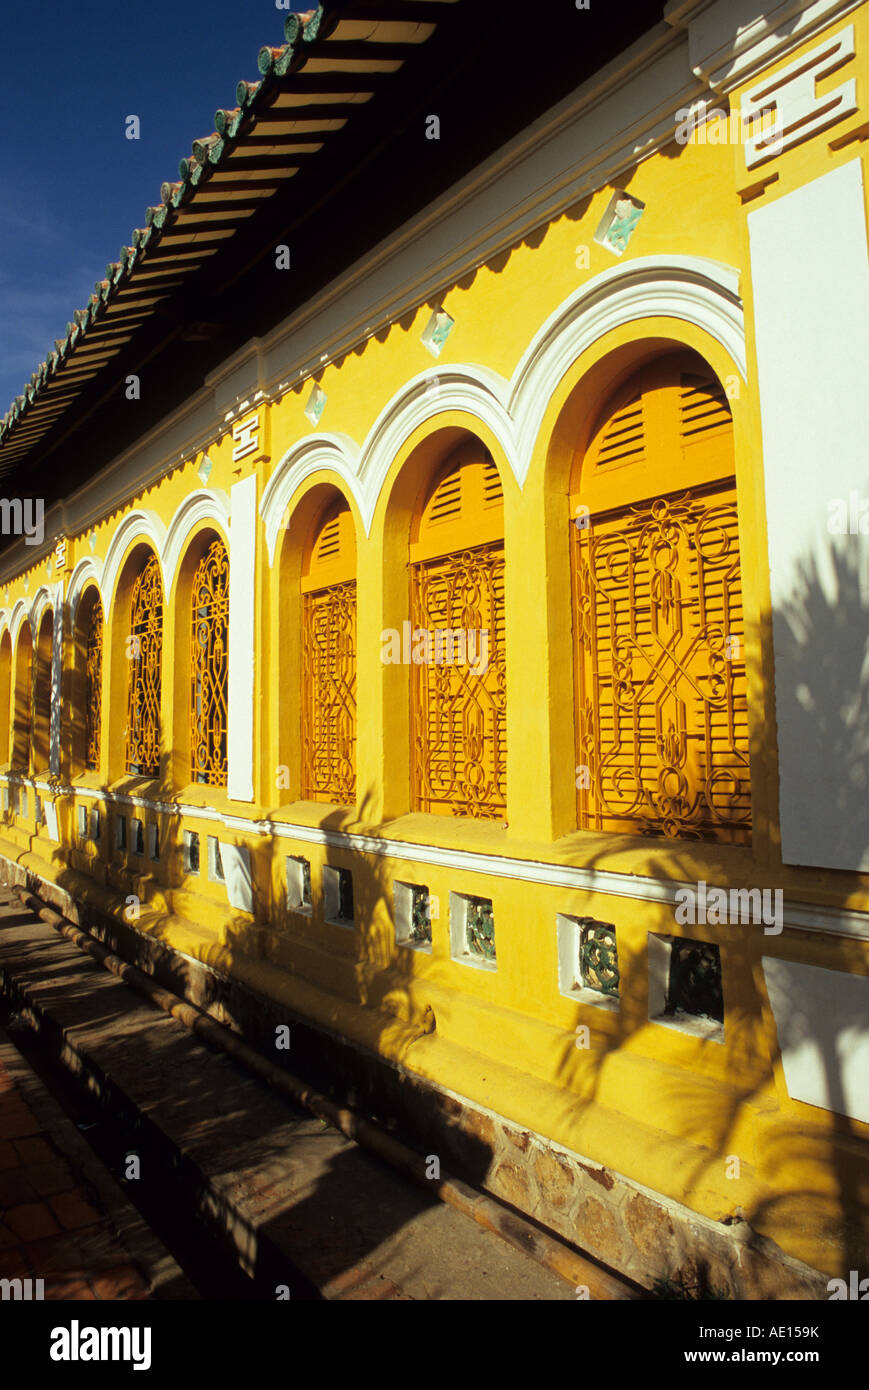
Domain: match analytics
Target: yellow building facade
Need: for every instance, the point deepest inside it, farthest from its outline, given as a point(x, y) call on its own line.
point(430, 691)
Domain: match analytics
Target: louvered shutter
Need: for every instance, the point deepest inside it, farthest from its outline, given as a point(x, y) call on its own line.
point(329, 660)
point(661, 700)
point(458, 695)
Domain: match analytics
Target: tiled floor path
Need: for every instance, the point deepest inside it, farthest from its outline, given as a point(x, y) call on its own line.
point(61, 1220)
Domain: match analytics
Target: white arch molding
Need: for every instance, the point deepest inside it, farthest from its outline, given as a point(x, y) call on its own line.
point(474, 390)
point(16, 618)
point(205, 506)
point(42, 599)
point(477, 391)
point(137, 525)
point(87, 571)
point(692, 289)
point(56, 681)
point(334, 453)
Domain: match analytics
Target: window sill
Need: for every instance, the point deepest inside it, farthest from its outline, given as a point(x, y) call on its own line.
point(148, 788)
point(90, 780)
point(201, 794)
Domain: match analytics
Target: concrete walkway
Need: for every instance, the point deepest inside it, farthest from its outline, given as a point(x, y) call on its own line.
point(306, 1210)
point(62, 1218)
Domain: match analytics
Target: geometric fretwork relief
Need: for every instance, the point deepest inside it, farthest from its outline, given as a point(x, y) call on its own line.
point(329, 694)
point(459, 693)
point(37, 680)
point(93, 684)
point(145, 649)
point(661, 691)
point(209, 664)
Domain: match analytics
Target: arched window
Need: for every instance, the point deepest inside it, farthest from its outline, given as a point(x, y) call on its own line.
point(661, 706)
point(329, 660)
point(41, 714)
point(209, 666)
point(458, 655)
point(5, 694)
point(23, 699)
point(92, 628)
point(144, 651)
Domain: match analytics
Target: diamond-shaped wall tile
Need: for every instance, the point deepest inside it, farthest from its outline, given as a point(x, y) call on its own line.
point(92, 541)
point(436, 331)
point(619, 222)
point(316, 403)
point(204, 469)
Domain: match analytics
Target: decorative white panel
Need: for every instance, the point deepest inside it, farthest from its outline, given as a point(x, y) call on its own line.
point(236, 872)
point(822, 1019)
point(56, 670)
point(810, 278)
point(242, 559)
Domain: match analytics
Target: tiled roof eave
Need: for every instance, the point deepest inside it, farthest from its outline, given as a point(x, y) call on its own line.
point(219, 168)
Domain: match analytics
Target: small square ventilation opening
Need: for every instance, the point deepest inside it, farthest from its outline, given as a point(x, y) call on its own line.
point(472, 931)
point(685, 986)
point(338, 896)
point(414, 909)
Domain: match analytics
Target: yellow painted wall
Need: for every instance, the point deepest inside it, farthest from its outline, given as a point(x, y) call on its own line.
point(658, 1105)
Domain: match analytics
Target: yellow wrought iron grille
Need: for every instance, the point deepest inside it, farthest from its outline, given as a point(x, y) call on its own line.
point(458, 704)
point(145, 648)
point(661, 691)
point(209, 666)
point(23, 716)
point(40, 711)
point(661, 700)
point(329, 694)
point(33, 715)
point(93, 684)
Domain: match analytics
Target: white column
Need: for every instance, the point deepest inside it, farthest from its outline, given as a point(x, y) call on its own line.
point(59, 614)
point(242, 582)
point(810, 280)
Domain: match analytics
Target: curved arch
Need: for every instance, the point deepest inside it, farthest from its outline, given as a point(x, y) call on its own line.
point(198, 745)
point(22, 668)
point(86, 572)
point(42, 599)
point(145, 667)
point(6, 692)
point(16, 618)
point(88, 629)
point(204, 507)
point(316, 453)
point(662, 732)
point(694, 289)
point(698, 291)
point(136, 526)
point(43, 623)
point(475, 391)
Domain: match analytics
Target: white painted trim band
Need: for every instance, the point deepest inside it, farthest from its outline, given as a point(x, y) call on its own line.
point(798, 915)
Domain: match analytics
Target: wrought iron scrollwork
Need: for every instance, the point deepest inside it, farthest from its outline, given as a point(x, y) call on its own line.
point(209, 667)
point(459, 705)
point(93, 684)
point(145, 650)
point(661, 688)
point(329, 695)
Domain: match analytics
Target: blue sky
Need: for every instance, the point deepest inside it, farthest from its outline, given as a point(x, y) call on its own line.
point(72, 187)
